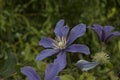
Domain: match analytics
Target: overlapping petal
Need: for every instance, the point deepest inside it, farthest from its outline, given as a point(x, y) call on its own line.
point(76, 32)
point(30, 73)
point(51, 71)
point(46, 42)
point(103, 36)
point(98, 29)
point(105, 33)
point(78, 48)
point(58, 28)
point(113, 34)
point(61, 60)
point(45, 53)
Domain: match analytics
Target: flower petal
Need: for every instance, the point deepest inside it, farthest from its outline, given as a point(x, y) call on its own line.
point(30, 73)
point(56, 78)
point(85, 65)
point(45, 53)
point(108, 28)
point(98, 29)
point(61, 60)
point(103, 36)
point(46, 42)
point(58, 28)
point(65, 31)
point(78, 48)
point(76, 32)
point(113, 34)
point(107, 32)
point(51, 71)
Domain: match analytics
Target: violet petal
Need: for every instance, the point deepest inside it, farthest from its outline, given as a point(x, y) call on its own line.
point(78, 48)
point(58, 28)
point(30, 73)
point(76, 32)
point(45, 53)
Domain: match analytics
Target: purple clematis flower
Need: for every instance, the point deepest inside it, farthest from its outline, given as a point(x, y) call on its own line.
point(63, 43)
point(50, 73)
point(105, 33)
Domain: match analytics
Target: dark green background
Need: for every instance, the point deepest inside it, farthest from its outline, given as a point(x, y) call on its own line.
point(24, 22)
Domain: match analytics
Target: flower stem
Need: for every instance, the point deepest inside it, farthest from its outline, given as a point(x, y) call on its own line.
point(102, 46)
point(70, 66)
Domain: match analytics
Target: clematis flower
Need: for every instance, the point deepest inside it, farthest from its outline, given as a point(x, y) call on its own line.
point(63, 43)
point(105, 33)
point(50, 73)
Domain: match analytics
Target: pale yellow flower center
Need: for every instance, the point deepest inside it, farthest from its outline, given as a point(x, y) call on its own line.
point(60, 43)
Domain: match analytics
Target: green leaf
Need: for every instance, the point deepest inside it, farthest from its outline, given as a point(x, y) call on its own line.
point(87, 76)
point(41, 65)
point(29, 56)
point(67, 77)
point(8, 68)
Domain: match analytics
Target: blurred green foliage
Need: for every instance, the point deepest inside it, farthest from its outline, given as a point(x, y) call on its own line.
point(24, 22)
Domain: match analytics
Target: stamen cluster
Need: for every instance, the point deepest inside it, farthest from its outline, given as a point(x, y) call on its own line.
point(101, 58)
point(60, 43)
